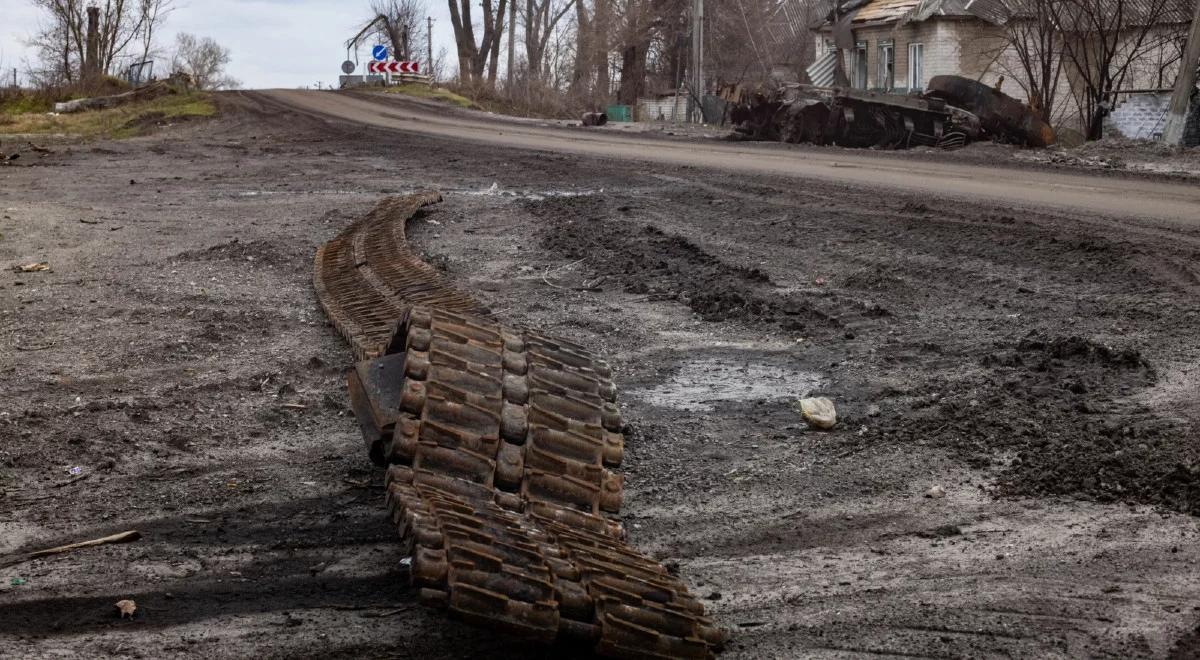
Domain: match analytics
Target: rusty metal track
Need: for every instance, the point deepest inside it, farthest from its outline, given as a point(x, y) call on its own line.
point(366, 277)
point(501, 446)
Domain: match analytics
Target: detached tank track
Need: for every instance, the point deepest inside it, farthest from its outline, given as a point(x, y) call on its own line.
point(501, 445)
point(366, 277)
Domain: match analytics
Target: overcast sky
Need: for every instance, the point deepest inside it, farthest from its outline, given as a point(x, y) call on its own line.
point(274, 43)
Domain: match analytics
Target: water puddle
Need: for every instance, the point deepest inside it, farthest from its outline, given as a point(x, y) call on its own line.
point(701, 384)
point(496, 191)
point(265, 193)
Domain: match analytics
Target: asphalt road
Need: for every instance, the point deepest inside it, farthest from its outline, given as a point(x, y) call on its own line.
point(1118, 197)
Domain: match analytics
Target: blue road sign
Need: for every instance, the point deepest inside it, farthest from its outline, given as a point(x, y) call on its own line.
point(380, 53)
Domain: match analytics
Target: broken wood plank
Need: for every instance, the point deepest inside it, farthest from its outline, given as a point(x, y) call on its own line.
point(123, 537)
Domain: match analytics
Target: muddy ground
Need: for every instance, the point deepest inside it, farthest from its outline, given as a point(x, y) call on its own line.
point(172, 373)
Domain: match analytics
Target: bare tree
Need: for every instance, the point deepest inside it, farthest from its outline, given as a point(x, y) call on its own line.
point(476, 58)
point(594, 38)
point(204, 60)
point(1028, 49)
point(541, 18)
point(154, 14)
point(59, 59)
point(1103, 42)
point(437, 68)
point(399, 22)
point(640, 21)
point(62, 42)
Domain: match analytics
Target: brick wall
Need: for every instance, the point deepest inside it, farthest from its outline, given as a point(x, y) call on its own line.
point(1141, 116)
point(943, 50)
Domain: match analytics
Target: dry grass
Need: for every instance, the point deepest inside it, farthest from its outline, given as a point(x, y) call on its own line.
point(524, 100)
point(418, 90)
point(121, 122)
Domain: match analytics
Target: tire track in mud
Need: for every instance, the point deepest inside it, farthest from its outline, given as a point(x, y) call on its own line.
point(663, 266)
point(1054, 409)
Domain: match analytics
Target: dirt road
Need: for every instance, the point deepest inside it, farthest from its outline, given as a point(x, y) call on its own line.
point(1038, 365)
point(1011, 187)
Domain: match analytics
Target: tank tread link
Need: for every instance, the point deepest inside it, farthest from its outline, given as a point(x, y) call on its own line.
point(501, 446)
point(367, 277)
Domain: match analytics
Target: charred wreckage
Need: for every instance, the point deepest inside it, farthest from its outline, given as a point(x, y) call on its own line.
point(950, 113)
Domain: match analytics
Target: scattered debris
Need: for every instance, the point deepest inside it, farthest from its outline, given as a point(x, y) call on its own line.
point(819, 412)
point(123, 537)
point(152, 91)
point(935, 492)
point(126, 608)
point(40, 347)
point(941, 532)
point(399, 610)
point(595, 119)
point(79, 476)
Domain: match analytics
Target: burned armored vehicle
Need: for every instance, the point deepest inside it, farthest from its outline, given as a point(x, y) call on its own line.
point(951, 113)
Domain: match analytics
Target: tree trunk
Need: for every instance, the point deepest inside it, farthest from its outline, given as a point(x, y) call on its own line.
point(583, 50)
point(633, 73)
point(496, 37)
point(464, 39)
point(600, 29)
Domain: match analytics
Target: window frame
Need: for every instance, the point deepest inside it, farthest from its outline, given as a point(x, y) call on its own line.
point(887, 66)
point(916, 66)
point(861, 65)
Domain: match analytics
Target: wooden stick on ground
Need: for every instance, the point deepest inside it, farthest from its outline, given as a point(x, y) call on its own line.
point(123, 537)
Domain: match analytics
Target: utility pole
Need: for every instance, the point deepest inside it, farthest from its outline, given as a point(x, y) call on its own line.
point(697, 82)
point(429, 46)
point(512, 40)
point(1185, 85)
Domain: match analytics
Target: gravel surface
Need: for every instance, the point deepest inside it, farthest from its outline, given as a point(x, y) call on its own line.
point(1038, 367)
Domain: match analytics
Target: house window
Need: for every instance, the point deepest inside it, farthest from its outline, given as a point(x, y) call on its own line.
point(916, 67)
point(887, 66)
point(858, 79)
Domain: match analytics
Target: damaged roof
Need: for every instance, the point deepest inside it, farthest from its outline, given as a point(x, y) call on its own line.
point(885, 10)
point(871, 11)
point(999, 12)
point(992, 11)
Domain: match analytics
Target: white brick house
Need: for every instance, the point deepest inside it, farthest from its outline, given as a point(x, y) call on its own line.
point(899, 45)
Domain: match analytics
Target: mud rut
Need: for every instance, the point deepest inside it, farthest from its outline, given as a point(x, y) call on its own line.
point(1125, 283)
point(1067, 409)
point(501, 444)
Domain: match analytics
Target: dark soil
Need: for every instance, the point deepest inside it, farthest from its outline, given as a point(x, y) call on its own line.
point(177, 356)
point(666, 267)
point(1058, 413)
